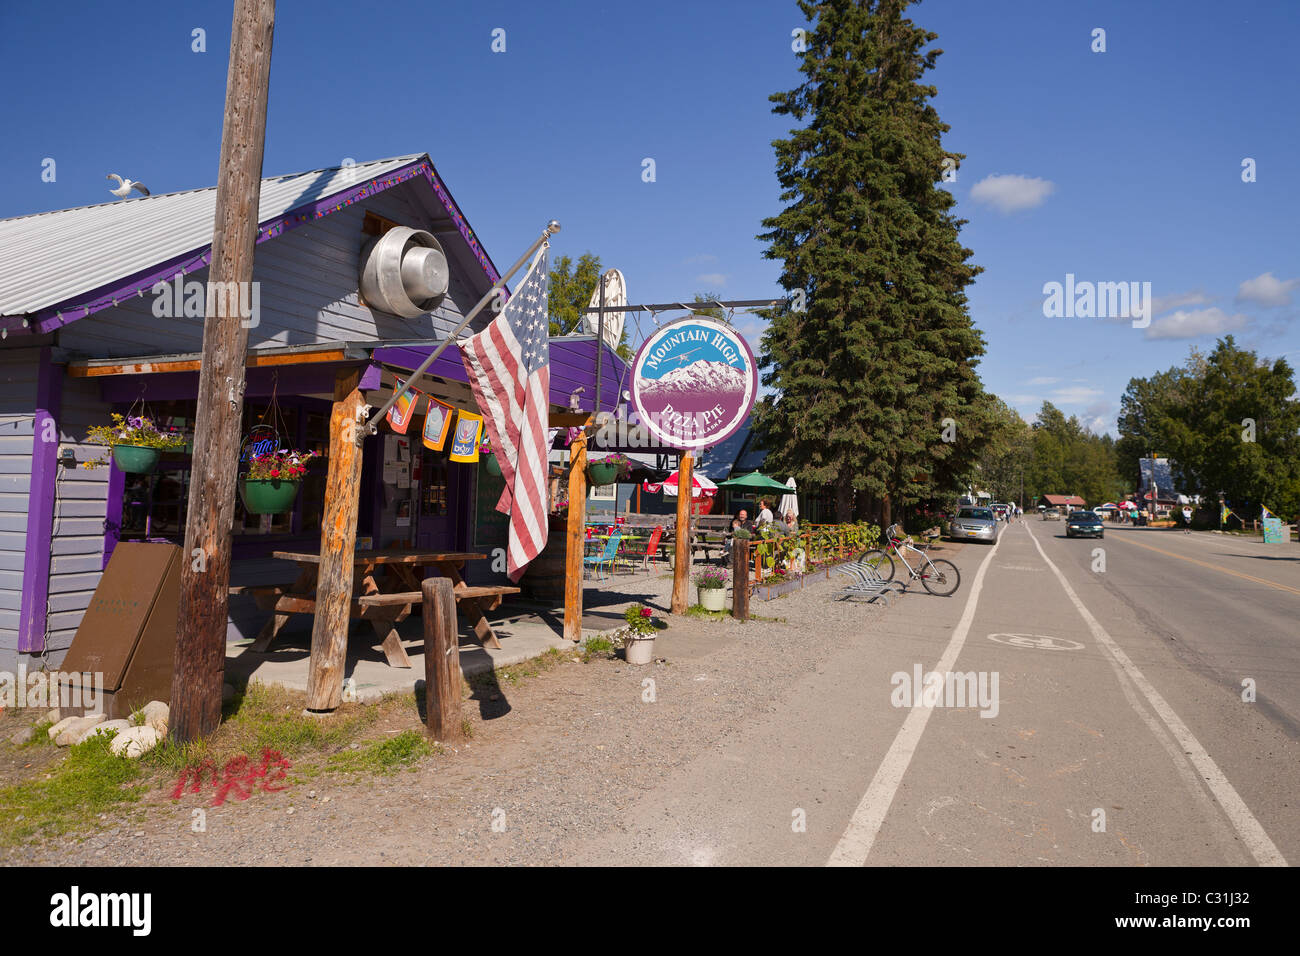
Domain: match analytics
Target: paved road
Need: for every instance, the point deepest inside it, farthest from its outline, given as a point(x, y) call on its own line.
point(1115, 733)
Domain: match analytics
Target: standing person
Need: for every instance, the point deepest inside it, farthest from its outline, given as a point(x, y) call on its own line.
point(764, 513)
point(1187, 519)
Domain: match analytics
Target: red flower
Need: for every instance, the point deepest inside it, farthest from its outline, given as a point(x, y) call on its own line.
point(275, 472)
point(646, 612)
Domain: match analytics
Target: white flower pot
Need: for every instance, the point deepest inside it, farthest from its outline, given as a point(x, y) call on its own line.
point(713, 599)
point(640, 651)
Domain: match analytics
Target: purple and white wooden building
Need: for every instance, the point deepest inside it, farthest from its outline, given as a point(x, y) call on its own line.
point(82, 338)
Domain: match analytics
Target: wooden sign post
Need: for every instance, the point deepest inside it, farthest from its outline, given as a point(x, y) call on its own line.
point(202, 611)
point(682, 564)
point(441, 660)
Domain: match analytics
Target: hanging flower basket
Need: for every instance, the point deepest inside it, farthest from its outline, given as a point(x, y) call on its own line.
point(136, 459)
point(607, 470)
point(268, 496)
point(137, 443)
point(273, 479)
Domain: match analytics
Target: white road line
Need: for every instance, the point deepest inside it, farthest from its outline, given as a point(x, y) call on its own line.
point(1250, 831)
point(856, 843)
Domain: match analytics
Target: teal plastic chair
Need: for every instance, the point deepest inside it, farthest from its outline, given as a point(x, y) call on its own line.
point(605, 557)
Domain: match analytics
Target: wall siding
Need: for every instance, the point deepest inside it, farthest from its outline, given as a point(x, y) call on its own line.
point(19, 369)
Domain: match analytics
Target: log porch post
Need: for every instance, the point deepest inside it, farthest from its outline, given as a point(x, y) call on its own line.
point(338, 542)
point(574, 548)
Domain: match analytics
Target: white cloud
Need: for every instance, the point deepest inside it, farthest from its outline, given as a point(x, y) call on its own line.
point(1267, 290)
point(1009, 194)
point(1042, 380)
point(702, 259)
point(1075, 395)
point(1163, 303)
point(712, 279)
point(1189, 325)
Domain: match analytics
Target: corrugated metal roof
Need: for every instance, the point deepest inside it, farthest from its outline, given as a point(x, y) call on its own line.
point(47, 258)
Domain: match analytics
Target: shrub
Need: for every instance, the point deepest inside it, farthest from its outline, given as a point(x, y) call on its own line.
point(640, 621)
point(711, 579)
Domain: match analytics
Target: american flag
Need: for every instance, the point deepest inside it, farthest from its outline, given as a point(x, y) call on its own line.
point(509, 373)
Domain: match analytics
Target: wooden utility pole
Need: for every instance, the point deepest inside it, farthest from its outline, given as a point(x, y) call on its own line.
point(200, 661)
point(682, 563)
point(338, 542)
point(574, 547)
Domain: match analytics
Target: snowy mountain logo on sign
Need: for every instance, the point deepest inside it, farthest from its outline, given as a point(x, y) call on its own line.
point(693, 382)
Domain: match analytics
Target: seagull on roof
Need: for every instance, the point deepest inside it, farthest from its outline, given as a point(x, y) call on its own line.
point(124, 186)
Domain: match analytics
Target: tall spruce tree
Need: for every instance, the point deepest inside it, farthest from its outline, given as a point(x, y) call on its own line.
point(882, 351)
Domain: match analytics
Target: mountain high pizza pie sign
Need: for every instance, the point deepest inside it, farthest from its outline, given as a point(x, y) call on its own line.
point(693, 382)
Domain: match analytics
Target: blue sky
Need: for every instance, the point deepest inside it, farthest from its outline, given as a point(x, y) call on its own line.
point(1115, 166)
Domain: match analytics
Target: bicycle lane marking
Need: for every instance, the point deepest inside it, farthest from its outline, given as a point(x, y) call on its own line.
point(1248, 828)
point(1207, 564)
point(864, 826)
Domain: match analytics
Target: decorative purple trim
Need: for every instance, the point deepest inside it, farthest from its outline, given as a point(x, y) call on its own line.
point(113, 511)
point(108, 296)
point(40, 507)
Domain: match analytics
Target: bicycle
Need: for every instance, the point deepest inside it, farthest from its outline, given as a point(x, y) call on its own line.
point(940, 577)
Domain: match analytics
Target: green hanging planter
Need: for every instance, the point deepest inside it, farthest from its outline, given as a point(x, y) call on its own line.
point(268, 496)
point(492, 465)
point(136, 459)
point(601, 473)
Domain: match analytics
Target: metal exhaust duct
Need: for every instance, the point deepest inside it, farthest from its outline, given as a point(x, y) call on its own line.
point(404, 272)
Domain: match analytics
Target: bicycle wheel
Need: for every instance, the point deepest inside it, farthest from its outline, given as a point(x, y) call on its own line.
point(880, 562)
point(940, 577)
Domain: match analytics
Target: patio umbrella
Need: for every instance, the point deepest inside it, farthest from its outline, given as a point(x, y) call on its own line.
point(700, 486)
point(754, 481)
point(789, 503)
point(1128, 506)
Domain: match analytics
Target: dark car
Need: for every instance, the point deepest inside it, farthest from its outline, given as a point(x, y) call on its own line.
point(1084, 524)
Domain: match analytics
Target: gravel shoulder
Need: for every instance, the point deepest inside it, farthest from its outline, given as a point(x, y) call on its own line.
point(552, 763)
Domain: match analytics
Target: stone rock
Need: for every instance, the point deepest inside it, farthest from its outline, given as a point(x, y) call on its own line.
point(155, 716)
point(53, 716)
point(22, 736)
point(107, 727)
point(133, 742)
point(59, 726)
point(76, 728)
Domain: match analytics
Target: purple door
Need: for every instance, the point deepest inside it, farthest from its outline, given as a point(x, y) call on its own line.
point(438, 511)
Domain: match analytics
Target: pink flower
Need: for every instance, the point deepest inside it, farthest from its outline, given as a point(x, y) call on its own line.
point(646, 612)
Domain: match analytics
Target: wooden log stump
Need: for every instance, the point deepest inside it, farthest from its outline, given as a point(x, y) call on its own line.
point(740, 578)
point(441, 661)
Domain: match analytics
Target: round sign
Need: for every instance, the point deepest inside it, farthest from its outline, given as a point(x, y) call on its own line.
point(693, 382)
point(261, 440)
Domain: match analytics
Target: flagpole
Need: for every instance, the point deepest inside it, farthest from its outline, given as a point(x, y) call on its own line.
point(372, 427)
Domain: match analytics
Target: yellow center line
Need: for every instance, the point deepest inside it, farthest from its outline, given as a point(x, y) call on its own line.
point(1212, 567)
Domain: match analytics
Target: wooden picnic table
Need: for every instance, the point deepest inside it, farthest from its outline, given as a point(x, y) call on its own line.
point(384, 601)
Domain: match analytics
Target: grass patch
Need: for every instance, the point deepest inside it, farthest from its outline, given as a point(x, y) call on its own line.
point(702, 613)
point(515, 673)
point(597, 647)
point(384, 756)
point(40, 735)
point(90, 781)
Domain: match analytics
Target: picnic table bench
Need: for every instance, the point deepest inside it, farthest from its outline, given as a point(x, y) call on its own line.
point(383, 601)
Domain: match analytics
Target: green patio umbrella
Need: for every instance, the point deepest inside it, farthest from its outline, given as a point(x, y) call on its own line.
point(754, 481)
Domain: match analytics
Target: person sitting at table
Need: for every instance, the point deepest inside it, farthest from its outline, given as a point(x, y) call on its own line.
point(741, 521)
point(791, 524)
point(764, 514)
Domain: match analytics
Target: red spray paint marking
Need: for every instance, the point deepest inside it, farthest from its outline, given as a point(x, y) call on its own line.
point(238, 777)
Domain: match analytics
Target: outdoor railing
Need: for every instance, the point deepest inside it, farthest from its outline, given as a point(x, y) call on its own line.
point(816, 546)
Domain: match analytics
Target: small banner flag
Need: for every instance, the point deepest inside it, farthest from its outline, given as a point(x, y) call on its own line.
point(1266, 514)
point(469, 428)
point(400, 415)
point(1223, 516)
point(437, 422)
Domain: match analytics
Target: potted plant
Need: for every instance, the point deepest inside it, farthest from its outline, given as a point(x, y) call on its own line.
point(272, 482)
point(136, 441)
point(608, 470)
point(639, 635)
point(712, 585)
